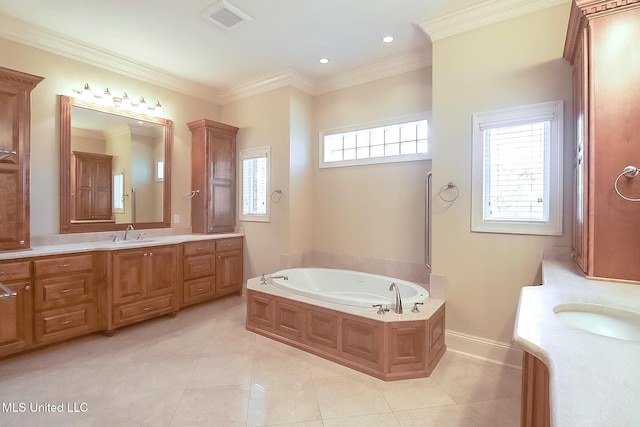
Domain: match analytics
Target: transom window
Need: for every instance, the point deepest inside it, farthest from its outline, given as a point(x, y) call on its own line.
point(382, 143)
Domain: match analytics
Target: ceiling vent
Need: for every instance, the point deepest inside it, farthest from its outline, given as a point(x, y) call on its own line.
point(225, 15)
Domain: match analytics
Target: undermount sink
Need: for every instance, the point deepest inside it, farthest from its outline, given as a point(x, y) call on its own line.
point(130, 242)
point(601, 320)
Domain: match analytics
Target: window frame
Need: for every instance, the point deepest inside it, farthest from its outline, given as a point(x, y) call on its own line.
point(372, 125)
point(247, 154)
point(547, 111)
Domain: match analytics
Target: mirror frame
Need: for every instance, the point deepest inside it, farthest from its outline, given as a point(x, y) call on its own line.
point(66, 224)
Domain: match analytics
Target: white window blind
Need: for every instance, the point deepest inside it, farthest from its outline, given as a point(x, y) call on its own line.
point(254, 184)
point(517, 170)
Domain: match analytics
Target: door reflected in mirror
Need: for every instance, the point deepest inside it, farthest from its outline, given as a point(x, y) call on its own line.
point(116, 165)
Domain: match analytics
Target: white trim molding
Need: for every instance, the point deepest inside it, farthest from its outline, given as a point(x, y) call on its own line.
point(482, 14)
point(484, 349)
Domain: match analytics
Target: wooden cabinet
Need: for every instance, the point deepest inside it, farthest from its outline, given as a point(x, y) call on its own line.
point(16, 311)
point(602, 46)
point(199, 267)
point(65, 298)
point(228, 266)
point(213, 177)
point(144, 284)
point(535, 409)
point(211, 268)
point(15, 124)
point(92, 187)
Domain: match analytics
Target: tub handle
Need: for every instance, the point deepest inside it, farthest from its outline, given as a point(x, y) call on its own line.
point(380, 309)
point(415, 307)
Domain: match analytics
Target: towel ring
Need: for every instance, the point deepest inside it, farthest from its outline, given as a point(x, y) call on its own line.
point(279, 195)
point(629, 172)
point(449, 186)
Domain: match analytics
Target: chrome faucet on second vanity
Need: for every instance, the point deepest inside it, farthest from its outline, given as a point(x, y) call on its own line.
point(129, 228)
point(398, 298)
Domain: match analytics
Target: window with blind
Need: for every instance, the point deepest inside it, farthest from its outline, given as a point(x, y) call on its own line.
point(517, 170)
point(254, 184)
point(398, 140)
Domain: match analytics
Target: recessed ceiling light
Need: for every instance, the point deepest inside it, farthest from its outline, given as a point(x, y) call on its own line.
point(324, 60)
point(387, 39)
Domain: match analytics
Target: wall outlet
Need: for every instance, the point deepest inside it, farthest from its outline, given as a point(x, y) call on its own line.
point(176, 219)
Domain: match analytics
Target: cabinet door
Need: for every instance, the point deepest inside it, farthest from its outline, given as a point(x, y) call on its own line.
point(129, 275)
point(16, 314)
point(221, 162)
point(162, 274)
point(93, 186)
point(15, 88)
point(228, 272)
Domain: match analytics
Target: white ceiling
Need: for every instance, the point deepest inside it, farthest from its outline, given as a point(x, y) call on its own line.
point(172, 37)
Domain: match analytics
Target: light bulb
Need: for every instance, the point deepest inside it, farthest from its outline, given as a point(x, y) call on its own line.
point(158, 111)
point(86, 92)
point(126, 102)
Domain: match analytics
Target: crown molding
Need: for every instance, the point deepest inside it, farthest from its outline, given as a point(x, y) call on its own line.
point(479, 15)
point(389, 66)
point(22, 32)
point(268, 83)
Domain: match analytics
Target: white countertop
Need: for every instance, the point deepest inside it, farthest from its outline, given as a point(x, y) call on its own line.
point(594, 380)
point(108, 245)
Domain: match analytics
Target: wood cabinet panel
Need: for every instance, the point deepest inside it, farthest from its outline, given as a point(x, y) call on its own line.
point(92, 187)
point(63, 264)
point(199, 266)
point(363, 340)
point(408, 344)
point(57, 291)
point(162, 276)
point(260, 310)
point(228, 272)
point(535, 409)
point(15, 146)
point(322, 328)
point(16, 318)
point(199, 247)
point(56, 325)
point(198, 290)
point(125, 314)
point(15, 270)
point(213, 169)
point(289, 319)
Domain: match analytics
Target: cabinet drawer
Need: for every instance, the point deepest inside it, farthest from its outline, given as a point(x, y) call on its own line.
point(58, 291)
point(199, 247)
point(199, 290)
point(54, 325)
point(228, 244)
point(15, 270)
point(129, 313)
point(61, 265)
point(199, 266)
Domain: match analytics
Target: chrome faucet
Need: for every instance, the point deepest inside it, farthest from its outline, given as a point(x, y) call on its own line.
point(129, 227)
point(263, 279)
point(398, 298)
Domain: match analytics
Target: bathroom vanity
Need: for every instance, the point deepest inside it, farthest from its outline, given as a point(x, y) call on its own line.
point(68, 290)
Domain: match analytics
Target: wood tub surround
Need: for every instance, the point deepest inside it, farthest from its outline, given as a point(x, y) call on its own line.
point(388, 350)
point(63, 296)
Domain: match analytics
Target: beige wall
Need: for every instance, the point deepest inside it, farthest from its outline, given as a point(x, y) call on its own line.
point(62, 76)
point(374, 213)
point(511, 63)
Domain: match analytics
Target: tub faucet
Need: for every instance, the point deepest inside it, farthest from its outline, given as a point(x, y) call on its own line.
point(263, 280)
point(398, 298)
point(129, 227)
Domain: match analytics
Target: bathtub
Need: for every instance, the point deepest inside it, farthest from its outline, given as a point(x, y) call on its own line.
point(349, 287)
point(329, 313)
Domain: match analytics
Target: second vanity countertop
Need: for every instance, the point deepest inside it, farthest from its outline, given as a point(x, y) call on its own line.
point(594, 380)
point(108, 245)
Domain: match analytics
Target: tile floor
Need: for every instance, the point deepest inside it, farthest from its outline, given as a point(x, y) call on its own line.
point(202, 368)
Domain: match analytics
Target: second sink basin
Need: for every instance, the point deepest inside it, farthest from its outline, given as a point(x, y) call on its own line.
point(601, 320)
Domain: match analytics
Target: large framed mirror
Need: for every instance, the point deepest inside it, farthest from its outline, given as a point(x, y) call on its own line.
point(115, 168)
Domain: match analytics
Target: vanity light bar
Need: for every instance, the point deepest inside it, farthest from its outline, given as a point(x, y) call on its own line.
point(123, 102)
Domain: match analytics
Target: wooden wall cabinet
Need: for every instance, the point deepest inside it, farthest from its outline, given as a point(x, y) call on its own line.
point(15, 125)
point(213, 177)
point(16, 312)
point(535, 409)
point(92, 187)
point(144, 284)
point(65, 298)
point(602, 46)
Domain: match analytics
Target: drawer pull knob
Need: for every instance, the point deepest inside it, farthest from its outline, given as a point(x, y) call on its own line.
point(1, 273)
point(147, 308)
point(64, 265)
point(27, 288)
point(200, 289)
point(64, 291)
point(66, 322)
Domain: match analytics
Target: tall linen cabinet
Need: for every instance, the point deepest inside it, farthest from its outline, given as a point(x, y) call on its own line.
point(602, 45)
point(213, 177)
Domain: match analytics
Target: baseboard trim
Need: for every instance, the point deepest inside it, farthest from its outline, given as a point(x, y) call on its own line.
point(484, 349)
